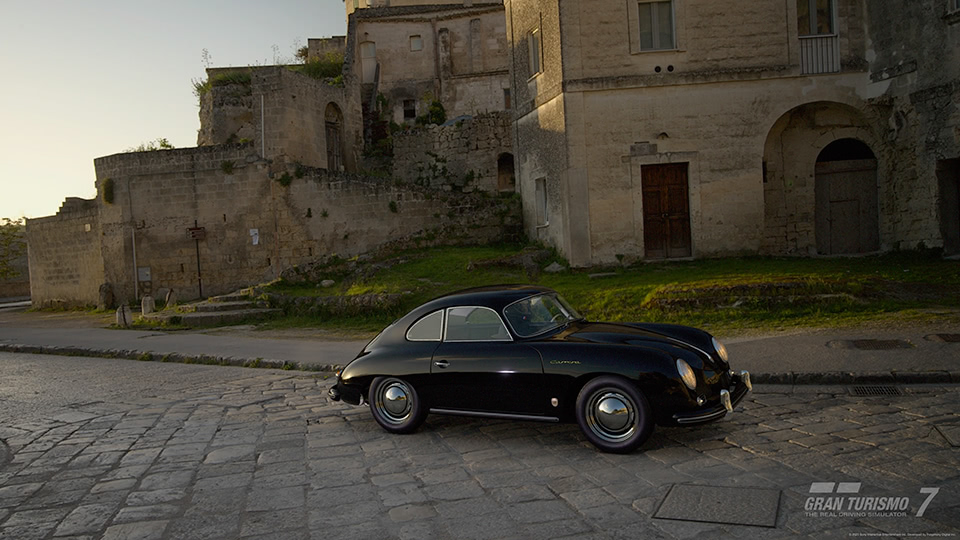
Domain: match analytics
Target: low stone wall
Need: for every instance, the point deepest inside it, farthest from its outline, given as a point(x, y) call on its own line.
point(221, 218)
point(332, 306)
point(66, 267)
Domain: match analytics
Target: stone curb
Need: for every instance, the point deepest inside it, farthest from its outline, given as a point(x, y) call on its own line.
point(787, 378)
point(147, 356)
point(865, 377)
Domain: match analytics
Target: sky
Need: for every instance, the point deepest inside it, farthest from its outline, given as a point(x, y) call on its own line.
point(81, 80)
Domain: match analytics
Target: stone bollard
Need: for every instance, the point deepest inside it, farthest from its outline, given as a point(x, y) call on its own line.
point(123, 316)
point(106, 299)
point(171, 299)
point(147, 305)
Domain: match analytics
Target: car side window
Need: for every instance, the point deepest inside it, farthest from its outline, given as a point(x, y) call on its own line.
point(429, 328)
point(475, 324)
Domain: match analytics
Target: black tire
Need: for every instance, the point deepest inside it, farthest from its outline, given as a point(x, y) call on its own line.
point(613, 414)
point(395, 405)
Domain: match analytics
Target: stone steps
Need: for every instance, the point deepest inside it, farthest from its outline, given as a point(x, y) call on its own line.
point(221, 310)
point(213, 318)
point(210, 306)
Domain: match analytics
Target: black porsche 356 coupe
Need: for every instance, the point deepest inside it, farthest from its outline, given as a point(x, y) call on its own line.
point(522, 352)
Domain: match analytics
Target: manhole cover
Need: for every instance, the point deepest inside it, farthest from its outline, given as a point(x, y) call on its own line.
point(881, 344)
point(875, 390)
point(736, 506)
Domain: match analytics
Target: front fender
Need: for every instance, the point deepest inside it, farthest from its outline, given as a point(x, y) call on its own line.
point(567, 367)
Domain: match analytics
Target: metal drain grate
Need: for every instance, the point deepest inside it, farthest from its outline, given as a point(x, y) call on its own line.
point(875, 390)
point(881, 344)
point(949, 338)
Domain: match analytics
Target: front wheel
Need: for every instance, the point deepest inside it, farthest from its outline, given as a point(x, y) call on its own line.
point(395, 405)
point(614, 415)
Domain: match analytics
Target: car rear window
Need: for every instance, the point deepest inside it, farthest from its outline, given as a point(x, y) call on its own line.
point(429, 328)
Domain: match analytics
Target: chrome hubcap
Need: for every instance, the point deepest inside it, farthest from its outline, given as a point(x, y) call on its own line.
point(393, 401)
point(611, 415)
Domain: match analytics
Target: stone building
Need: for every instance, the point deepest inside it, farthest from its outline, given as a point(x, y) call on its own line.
point(692, 128)
point(412, 53)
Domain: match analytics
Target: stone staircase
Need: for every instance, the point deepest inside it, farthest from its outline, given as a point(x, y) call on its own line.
point(221, 310)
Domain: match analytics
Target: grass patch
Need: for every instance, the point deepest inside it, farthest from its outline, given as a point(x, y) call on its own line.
point(722, 295)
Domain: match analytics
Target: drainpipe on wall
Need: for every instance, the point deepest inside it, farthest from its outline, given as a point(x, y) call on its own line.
point(133, 240)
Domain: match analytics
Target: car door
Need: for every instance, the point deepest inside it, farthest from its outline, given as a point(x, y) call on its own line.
point(479, 367)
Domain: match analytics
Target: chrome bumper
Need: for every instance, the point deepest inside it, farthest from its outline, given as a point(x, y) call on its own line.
point(728, 401)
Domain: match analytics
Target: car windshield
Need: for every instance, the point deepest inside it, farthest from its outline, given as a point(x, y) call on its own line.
point(539, 314)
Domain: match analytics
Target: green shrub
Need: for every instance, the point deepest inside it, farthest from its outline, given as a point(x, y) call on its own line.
point(435, 114)
point(241, 77)
point(285, 180)
point(328, 67)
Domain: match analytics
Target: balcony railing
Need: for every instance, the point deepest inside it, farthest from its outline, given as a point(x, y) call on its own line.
point(819, 54)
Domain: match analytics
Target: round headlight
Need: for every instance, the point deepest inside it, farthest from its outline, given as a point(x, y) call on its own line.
point(721, 350)
point(686, 374)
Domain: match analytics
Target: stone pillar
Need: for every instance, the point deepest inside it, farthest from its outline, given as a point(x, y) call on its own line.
point(123, 316)
point(147, 305)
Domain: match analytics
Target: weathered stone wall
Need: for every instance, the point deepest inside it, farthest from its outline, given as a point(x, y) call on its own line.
point(66, 266)
point(226, 114)
point(916, 63)
point(259, 218)
point(464, 153)
point(293, 114)
point(19, 283)
point(319, 48)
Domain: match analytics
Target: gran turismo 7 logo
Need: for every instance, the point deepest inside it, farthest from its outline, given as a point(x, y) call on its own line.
point(843, 499)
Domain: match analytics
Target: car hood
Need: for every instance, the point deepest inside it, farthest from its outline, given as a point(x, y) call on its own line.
point(642, 334)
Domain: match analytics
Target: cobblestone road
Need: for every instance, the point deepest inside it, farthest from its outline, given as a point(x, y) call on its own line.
point(263, 454)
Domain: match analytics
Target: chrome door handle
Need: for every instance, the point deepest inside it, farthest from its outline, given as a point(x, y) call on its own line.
point(441, 363)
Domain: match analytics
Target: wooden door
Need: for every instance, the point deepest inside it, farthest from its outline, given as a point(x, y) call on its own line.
point(846, 217)
point(666, 211)
point(334, 155)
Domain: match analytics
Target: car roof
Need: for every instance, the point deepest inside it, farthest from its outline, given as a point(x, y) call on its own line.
point(495, 296)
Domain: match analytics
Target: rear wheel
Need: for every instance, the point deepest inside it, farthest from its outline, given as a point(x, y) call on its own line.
point(395, 405)
point(613, 414)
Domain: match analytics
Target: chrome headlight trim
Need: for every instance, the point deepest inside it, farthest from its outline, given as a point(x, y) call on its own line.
point(721, 350)
point(687, 375)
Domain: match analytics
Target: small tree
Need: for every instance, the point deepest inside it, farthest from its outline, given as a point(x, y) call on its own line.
point(12, 246)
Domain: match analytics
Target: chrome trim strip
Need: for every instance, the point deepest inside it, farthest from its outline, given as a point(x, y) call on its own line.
point(702, 417)
point(455, 412)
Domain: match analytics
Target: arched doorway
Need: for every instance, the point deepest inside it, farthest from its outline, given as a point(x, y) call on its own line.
point(334, 135)
point(807, 142)
point(505, 176)
point(846, 199)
